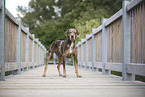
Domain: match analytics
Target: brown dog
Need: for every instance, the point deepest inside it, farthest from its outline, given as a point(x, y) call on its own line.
point(64, 49)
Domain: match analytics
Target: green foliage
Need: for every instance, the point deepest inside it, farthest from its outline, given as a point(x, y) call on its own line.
point(85, 27)
point(49, 19)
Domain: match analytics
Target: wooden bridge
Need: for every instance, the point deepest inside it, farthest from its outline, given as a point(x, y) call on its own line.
point(118, 45)
point(92, 84)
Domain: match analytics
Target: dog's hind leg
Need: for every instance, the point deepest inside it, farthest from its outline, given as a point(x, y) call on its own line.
point(50, 55)
point(60, 59)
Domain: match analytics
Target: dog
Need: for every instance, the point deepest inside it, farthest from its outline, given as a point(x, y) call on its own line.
point(64, 49)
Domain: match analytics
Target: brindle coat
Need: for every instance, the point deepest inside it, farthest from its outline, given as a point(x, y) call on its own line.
point(64, 49)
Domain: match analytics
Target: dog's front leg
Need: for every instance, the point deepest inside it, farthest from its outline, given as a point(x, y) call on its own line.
point(75, 62)
point(64, 69)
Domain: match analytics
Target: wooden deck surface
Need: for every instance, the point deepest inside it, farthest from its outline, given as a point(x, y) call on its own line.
point(92, 84)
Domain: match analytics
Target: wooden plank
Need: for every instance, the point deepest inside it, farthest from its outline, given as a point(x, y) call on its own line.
point(92, 84)
point(137, 56)
point(117, 43)
point(10, 40)
point(141, 28)
point(131, 38)
point(114, 58)
point(23, 46)
point(111, 43)
point(90, 50)
point(35, 44)
point(135, 37)
point(30, 49)
point(120, 40)
point(100, 47)
point(96, 47)
point(98, 42)
point(138, 34)
point(108, 46)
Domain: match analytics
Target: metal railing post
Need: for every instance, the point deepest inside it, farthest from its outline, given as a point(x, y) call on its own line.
point(93, 49)
point(104, 47)
point(33, 39)
point(86, 51)
point(27, 48)
point(18, 44)
point(37, 52)
point(2, 40)
point(81, 53)
point(126, 42)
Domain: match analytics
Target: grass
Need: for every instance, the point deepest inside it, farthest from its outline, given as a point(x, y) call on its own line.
point(100, 70)
point(8, 73)
point(116, 73)
point(140, 78)
point(137, 77)
point(70, 64)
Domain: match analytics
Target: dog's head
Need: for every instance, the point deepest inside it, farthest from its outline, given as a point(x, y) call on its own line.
point(72, 33)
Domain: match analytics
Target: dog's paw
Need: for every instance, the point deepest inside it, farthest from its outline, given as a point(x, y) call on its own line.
point(43, 75)
point(64, 76)
point(79, 76)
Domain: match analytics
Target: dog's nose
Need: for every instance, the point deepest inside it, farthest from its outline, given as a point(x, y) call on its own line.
point(72, 36)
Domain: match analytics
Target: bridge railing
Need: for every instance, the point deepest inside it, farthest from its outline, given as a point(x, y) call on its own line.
point(118, 44)
point(20, 50)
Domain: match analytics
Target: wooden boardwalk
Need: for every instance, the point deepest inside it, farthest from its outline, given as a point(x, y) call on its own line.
point(92, 84)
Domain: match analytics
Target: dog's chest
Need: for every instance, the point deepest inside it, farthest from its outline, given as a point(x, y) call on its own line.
point(70, 47)
point(70, 50)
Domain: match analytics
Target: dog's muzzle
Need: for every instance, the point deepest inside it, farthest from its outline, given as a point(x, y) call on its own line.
point(72, 37)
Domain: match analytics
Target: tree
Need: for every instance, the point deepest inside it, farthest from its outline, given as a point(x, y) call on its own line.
point(49, 24)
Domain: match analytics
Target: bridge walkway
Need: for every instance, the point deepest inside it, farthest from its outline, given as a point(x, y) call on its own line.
point(92, 84)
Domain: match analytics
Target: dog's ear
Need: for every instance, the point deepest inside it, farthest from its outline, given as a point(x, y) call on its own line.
point(78, 33)
point(66, 33)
